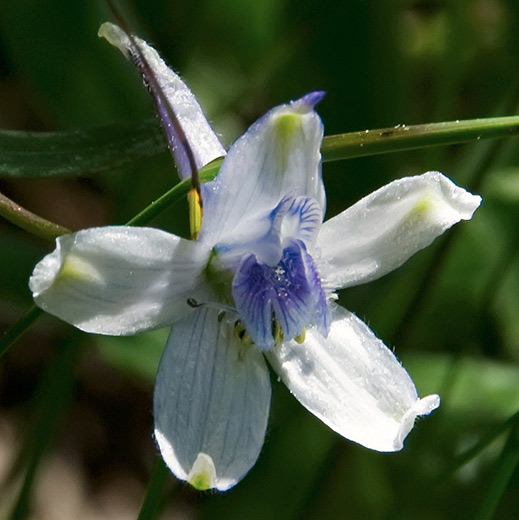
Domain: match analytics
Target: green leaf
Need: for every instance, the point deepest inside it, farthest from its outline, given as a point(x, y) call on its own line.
point(78, 152)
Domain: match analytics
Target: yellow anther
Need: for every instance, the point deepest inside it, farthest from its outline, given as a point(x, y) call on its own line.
point(195, 212)
point(277, 332)
point(301, 337)
point(241, 333)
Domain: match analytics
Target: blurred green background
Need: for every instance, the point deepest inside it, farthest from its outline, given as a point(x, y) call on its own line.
point(80, 406)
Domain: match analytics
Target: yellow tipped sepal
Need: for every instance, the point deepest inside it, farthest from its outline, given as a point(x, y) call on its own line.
point(196, 212)
point(203, 473)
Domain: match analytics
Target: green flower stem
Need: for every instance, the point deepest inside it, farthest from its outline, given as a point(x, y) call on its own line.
point(153, 501)
point(174, 195)
point(421, 498)
point(108, 147)
point(403, 137)
point(506, 465)
point(470, 454)
point(19, 328)
point(28, 221)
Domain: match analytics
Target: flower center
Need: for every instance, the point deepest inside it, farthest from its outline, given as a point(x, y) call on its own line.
point(275, 286)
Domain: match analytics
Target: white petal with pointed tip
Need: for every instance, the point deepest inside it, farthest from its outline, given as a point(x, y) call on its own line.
point(381, 231)
point(352, 382)
point(119, 280)
point(279, 155)
point(211, 403)
point(204, 142)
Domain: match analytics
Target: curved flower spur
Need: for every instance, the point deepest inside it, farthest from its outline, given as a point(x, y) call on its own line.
point(258, 283)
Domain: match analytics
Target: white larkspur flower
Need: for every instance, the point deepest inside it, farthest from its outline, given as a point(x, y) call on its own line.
point(258, 283)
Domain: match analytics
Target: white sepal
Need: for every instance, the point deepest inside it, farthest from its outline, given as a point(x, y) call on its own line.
point(201, 137)
point(211, 403)
point(118, 280)
point(381, 231)
point(352, 382)
point(279, 155)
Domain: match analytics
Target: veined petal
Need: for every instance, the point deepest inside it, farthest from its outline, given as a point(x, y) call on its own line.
point(200, 136)
point(278, 155)
point(211, 402)
point(293, 219)
point(381, 231)
point(352, 382)
point(119, 280)
point(289, 292)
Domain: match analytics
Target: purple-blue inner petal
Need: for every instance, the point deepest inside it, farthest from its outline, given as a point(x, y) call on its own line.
point(313, 98)
point(289, 292)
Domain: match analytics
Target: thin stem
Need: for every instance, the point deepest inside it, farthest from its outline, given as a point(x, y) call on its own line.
point(403, 137)
point(508, 462)
point(470, 454)
point(153, 500)
point(28, 221)
point(420, 498)
point(174, 195)
point(19, 328)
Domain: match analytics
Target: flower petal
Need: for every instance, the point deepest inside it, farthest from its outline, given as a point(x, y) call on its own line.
point(381, 231)
point(200, 136)
point(119, 280)
point(289, 291)
point(211, 403)
point(277, 156)
point(352, 382)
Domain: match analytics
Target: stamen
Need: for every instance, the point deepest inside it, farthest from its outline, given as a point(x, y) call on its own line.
point(301, 338)
point(196, 211)
point(241, 333)
point(277, 331)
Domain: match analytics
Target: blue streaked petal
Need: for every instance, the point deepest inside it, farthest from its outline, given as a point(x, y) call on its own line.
point(301, 219)
point(200, 136)
point(278, 155)
point(290, 292)
point(293, 219)
point(211, 402)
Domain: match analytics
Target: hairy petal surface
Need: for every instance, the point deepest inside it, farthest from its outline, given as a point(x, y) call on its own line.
point(277, 156)
point(352, 382)
point(381, 231)
point(200, 136)
point(212, 398)
point(119, 280)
